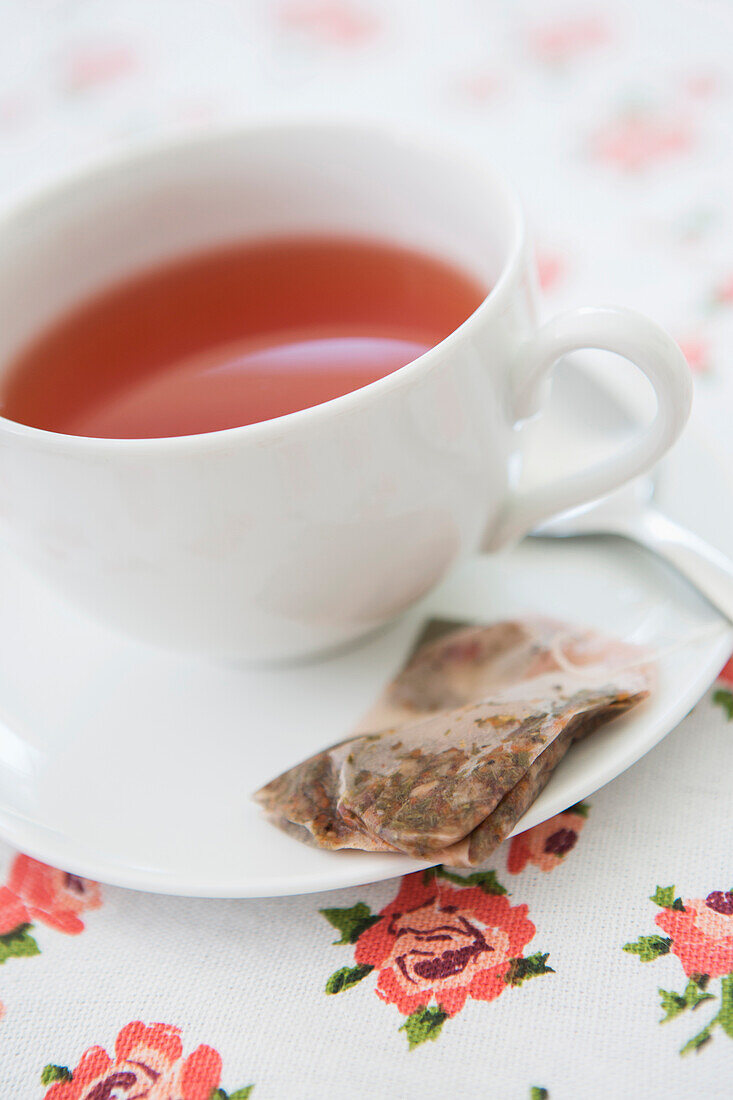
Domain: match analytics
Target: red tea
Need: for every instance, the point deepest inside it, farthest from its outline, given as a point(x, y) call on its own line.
point(234, 336)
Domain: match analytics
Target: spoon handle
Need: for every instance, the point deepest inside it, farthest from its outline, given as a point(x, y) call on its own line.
point(709, 570)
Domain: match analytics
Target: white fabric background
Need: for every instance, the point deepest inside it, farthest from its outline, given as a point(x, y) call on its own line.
point(78, 79)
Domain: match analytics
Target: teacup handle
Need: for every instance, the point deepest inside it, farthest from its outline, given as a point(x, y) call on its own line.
point(645, 344)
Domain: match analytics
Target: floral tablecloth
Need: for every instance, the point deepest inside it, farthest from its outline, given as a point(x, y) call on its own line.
point(595, 957)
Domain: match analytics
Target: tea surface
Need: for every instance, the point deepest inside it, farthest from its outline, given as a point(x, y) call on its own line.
point(234, 336)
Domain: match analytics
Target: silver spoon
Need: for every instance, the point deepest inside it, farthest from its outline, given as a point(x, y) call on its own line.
point(630, 514)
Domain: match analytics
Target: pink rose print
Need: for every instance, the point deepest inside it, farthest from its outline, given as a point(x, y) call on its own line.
point(435, 946)
point(12, 911)
point(726, 673)
point(700, 933)
point(477, 87)
point(52, 896)
point(447, 944)
point(334, 21)
point(696, 353)
point(547, 844)
point(723, 293)
point(559, 42)
point(35, 891)
point(723, 697)
point(148, 1062)
point(96, 65)
point(703, 85)
point(550, 269)
point(637, 140)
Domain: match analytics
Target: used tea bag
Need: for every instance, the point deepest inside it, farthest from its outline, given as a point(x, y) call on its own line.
point(461, 742)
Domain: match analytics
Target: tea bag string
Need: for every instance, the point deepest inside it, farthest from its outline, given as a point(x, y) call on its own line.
point(646, 655)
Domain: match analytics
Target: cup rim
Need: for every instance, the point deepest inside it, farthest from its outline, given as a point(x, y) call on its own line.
point(421, 139)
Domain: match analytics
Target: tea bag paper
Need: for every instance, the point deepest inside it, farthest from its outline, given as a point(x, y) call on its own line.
point(461, 742)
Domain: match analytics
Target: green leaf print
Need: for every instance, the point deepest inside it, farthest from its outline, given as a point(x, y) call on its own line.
point(694, 996)
point(696, 992)
point(649, 947)
point(487, 880)
point(346, 977)
point(51, 1073)
point(582, 808)
point(725, 1016)
point(538, 1093)
point(664, 897)
point(240, 1094)
point(674, 1003)
point(18, 944)
point(424, 1024)
point(724, 699)
point(699, 1040)
point(522, 969)
point(350, 922)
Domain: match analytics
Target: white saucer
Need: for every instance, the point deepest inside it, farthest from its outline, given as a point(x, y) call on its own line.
point(134, 767)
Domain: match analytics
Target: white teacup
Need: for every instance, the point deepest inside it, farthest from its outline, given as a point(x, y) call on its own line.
point(287, 537)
